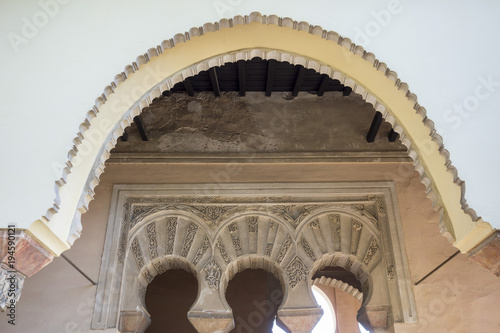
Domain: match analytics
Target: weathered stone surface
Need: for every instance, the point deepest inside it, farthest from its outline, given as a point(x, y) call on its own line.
point(228, 124)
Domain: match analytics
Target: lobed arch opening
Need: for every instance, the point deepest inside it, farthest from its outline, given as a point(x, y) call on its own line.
point(353, 279)
point(168, 300)
point(255, 307)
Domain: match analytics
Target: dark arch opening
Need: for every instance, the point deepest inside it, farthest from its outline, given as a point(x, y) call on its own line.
point(168, 299)
point(254, 295)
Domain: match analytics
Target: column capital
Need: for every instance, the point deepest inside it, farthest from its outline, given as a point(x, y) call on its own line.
point(133, 321)
point(211, 321)
point(300, 320)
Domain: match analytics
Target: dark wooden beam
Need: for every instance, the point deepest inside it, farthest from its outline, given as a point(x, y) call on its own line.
point(323, 84)
point(215, 82)
point(346, 91)
point(189, 86)
point(241, 77)
point(140, 126)
point(124, 136)
point(299, 80)
point(372, 133)
point(271, 69)
point(392, 135)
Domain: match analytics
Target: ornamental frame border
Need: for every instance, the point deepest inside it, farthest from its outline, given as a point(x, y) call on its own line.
point(107, 302)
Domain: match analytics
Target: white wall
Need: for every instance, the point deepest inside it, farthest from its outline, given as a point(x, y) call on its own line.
point(52, 74)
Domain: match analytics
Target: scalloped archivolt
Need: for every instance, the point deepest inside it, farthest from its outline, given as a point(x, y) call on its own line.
point(267, 37)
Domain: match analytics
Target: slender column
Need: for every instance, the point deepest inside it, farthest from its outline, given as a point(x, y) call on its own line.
point(211, 313)
point(299, 311)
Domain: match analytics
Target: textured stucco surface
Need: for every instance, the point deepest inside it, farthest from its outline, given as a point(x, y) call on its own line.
point(255, 123)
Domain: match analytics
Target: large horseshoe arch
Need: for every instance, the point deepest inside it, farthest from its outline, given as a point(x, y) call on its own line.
point(268, 37)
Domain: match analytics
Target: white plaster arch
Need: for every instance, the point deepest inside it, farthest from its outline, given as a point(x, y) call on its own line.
point(269, 37)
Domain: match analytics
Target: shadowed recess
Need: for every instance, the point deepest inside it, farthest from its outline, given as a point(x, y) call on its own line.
point(168, 299)
point(254, 295)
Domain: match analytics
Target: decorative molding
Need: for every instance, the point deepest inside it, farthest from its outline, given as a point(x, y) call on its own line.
point(252, 224)
point(264, 238)
point(356, 226)
point(307, 249)
point(330, 157)
point(372, 249)
point(201, 251)
point(171, 230)
point(222, 251)
point(284, 249)
point(188, 241)
point(136, 250)
point(153, 245)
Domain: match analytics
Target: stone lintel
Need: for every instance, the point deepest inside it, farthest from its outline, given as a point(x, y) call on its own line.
point(487, 253)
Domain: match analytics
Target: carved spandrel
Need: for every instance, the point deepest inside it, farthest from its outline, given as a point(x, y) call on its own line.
point(379, 203)
point(213, 213)
point(296, 271)
point(213, 274)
